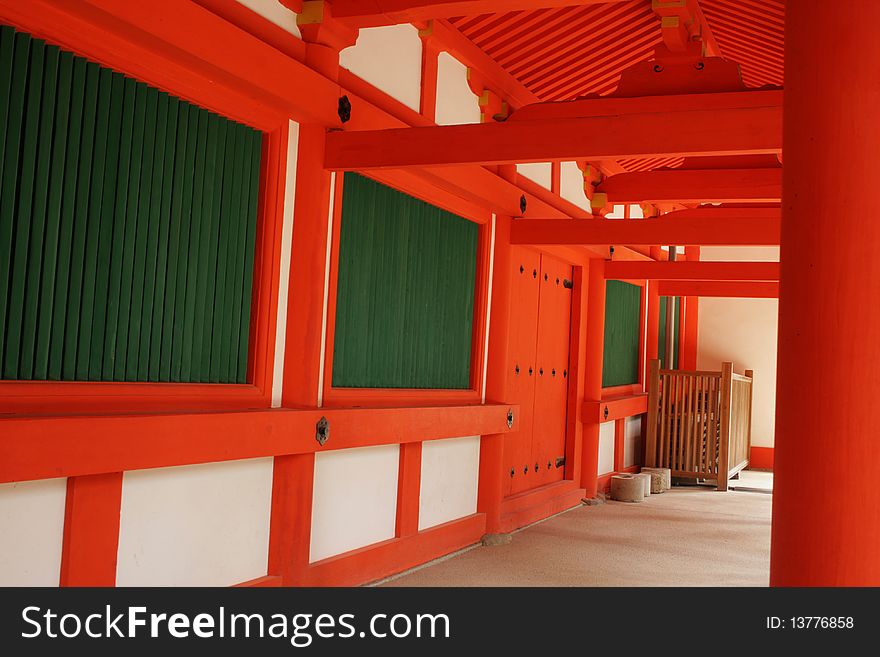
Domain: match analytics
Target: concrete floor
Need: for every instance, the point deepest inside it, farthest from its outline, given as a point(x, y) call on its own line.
point(684, 537)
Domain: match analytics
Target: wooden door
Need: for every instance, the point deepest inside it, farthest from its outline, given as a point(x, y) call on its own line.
point(525, 287)
point(551, 384)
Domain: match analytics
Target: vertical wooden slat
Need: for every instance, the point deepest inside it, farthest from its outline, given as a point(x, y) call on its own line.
point(52, 248)
point(724, 444)
point(106, 355)
point(161, 159)
point(664, 400)
point(67, 229)
point(183, 351)
point(179, 174)
point(217, 372)
point(21, 239)
point(167, 216)
point(132, 248)
point(202, 303)
point(82, 224)
point(107, 235)
point(141, 249)
point(178, 254)
point(27, 321)
point(653, 413)
point(13, 139)
point(102, 245)
point(95, 226)
point(249, 254)
point(243, 160)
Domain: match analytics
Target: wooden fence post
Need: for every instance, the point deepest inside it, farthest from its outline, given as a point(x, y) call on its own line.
point(724, 447)
point(653, 401)
point(751, 376)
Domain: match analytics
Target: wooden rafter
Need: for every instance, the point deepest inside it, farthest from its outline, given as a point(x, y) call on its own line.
point(372, 13)
point(695, 186)
point(607, 128)
point(701, 227)
point(693, 271)
point(735, 289)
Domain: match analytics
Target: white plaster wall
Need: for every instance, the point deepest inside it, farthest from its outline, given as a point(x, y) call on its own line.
point(606, 447)
point(743, 331)
point(389, 58)
point(632, 440)
point(31, 532)
point(196, 525)
point(284, 278)
point(456, 103)
point(450, 473)
point(571, 185)
point(355, 499)
point(274, 11)
point(539, 172)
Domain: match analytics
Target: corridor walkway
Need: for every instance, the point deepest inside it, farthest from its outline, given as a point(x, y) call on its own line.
point(684, 537)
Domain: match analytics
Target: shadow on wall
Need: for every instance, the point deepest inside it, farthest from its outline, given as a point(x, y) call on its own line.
point(744, 331)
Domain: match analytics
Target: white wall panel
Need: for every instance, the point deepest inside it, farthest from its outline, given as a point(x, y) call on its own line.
point(389, 58)
point(450, 474)
point(31, 532)
point(197, 525)
point(456, 103)
point(539, 172)
point(571, 185)
point(355, 499)
point(606, 448)
point(275, 12)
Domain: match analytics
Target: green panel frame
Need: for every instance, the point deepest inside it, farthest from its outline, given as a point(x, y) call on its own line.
point(405, 294)
point(661, 333)
point(620, 361)
point(127, 226)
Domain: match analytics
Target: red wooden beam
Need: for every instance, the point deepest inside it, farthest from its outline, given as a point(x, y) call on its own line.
point(695, 186)
point(712, 227)
point(46, 447)
point(693, 271)
point(371, 13)
point(740, 289)
point(597, 129)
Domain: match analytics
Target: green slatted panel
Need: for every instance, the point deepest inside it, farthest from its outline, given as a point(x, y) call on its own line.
point(661, 346)
point(620, 363)
point(405, 296)
point(127, 226)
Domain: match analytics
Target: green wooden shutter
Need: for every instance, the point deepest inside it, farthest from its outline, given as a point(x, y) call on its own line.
point(661, 333)
point(127, 226)
point(405, 295)
point(620, 363)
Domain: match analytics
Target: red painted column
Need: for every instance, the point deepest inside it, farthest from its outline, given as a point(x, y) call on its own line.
point(594, 346)
point(91, 530)
point(489, 492)
point(293, 477)
point(409, 481)
point(826, 506)
point(576, 366)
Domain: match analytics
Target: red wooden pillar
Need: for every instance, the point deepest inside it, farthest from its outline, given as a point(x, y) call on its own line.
point(409, 481)
point(594, 347)
point(293, 478)
point(489, 492)
point(428, 99)
point(91, 530)
point(576, 368)
point(826, 506)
